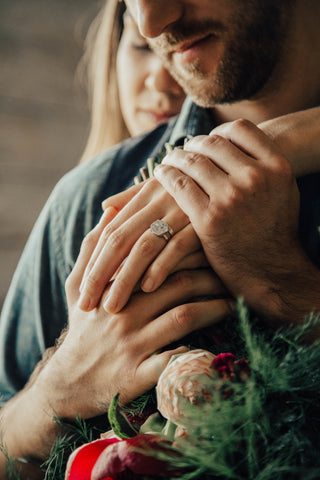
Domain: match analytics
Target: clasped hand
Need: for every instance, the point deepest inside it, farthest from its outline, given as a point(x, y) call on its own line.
point(233, 202)
point(105, 353)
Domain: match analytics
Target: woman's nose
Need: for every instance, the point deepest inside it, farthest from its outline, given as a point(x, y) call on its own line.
point(153, 16)
point(160, 80)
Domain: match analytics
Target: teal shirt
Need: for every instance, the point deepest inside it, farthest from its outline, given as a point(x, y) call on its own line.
point(35, 309)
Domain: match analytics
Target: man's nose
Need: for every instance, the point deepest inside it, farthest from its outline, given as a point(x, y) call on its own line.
point(154, 16)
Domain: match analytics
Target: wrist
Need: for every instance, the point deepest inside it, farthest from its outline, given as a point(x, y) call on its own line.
point(294, 293)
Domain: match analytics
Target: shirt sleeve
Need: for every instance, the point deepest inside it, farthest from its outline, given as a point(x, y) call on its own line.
point(35, 310)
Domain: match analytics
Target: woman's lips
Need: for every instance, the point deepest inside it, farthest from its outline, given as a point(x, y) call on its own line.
point(159, 116)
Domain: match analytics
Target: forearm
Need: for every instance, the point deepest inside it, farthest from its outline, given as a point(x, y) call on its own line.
point(27, 428)
point(291, 294)
point(298, 137)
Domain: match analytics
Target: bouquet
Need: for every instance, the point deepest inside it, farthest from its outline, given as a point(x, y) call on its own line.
point(220, 417)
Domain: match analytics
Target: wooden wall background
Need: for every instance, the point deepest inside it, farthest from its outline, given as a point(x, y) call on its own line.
point(43, 114)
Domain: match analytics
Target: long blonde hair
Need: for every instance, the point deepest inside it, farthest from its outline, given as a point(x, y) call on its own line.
point(99, 66)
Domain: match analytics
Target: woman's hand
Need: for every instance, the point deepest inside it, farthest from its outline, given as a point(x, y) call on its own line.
point(127, 250)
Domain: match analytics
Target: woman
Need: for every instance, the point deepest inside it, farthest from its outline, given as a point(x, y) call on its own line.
point(130, 90)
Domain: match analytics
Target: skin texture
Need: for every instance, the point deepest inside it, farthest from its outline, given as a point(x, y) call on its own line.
point(148, 94)
point(148, 259)
point(163, 24)
point(239, 48)
point(133, 356)
point(213, 193)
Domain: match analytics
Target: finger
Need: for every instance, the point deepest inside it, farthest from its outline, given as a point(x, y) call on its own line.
point(117, 235)
point(87, 247)
point(192, 200)
point(193, 261)
point(222, 153)
point(121, 199)
point(251, 139)
point(150, 369)
point(181, 245)
point(147, 247)
point(184, 319)
point(179, 288)
point(110, 252)
point(147, 192)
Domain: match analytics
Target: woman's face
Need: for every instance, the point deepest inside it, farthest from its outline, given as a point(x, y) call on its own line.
point(148, 94)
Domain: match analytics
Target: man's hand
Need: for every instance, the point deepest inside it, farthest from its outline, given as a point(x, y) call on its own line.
point(243, 202)
point(102, 354)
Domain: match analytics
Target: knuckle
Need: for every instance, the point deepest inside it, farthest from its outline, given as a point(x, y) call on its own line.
point(116, 239)
point(214, 140)
point(89, 242)
point(92, 282)
point(106, 232)
point(150, 186)
point(184, 280)
point(233, 196)
point(282, 167)
point(213, 215)
point(123, 283)
point(182, 182)
point(182, 317)
point(241, 124)
point(146, 245)
point(191, 158)
point(255, 179)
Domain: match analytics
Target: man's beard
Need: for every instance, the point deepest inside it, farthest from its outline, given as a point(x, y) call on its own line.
point(252, 48)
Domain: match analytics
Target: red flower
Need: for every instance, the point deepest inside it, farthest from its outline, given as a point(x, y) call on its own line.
point(126, 459)
point(82, 460)
point(228, 368)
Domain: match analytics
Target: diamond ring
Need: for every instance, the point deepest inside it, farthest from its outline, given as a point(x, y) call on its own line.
point(161, 229)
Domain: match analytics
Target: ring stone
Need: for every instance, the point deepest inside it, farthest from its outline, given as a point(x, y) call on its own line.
point(161, 229)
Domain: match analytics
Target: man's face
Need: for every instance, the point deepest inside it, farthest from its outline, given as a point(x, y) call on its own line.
point(220, 51)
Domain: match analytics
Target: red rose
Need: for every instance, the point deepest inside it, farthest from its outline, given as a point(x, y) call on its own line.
point(126, 459)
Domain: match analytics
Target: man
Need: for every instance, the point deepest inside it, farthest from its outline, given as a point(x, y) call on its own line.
point(239, 60)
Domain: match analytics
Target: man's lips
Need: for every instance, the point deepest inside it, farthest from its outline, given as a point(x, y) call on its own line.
point(191, 44)
point(192, 50)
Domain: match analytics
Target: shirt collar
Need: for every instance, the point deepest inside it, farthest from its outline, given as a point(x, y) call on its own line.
point(193, 120)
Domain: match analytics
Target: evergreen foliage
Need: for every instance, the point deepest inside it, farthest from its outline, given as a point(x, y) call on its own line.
point(267, 429)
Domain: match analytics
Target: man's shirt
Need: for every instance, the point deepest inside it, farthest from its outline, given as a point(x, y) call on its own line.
point(35, 310)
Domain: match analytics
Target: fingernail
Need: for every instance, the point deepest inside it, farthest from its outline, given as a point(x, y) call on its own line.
point(110, 305)
point(157, 170)
point(147, 284)
point(84, 302)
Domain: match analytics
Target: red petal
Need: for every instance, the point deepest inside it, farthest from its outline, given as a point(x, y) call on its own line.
point(122, 458)
point(82, 461)
point(137, 462)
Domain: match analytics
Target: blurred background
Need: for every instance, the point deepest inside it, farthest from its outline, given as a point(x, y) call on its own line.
point(43, 112)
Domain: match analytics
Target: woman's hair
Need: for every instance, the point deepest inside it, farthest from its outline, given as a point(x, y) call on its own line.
point(99, 66)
